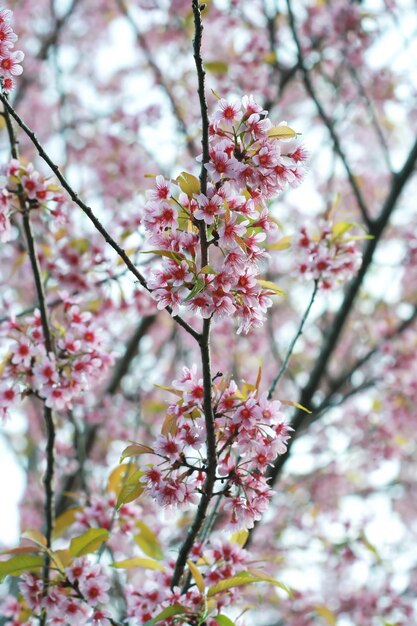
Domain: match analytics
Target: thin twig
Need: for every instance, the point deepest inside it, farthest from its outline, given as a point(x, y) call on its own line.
point(293, 342)
point(120, 370)
point(327, 121)
point(399, 181)
point(89, 212)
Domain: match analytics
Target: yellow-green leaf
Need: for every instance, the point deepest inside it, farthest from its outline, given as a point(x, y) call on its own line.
point(176, 256)
point(170, 389)
point(81, 245)
point(282, 132)
point(188, 183)
point(240, 537)
point(131, 489)
point(216, 67)
point(207, 270)
point(21, 550)
point(262, 577)
point(19, 564)
point(245, 578)
point(282, 244)
point(198, 286)
point(296, 404)
point(148, 541)
point(88, 542)
point(134, 450)
point(341, 228)
point(139, 562)
point(272, 287)
point(63, 521)
point(63, 558)
point(270, 58)
point(223, 620)
point(119, 476)
point(196, 574)
point(327, 614)
point(36, 537)
point(170, 611)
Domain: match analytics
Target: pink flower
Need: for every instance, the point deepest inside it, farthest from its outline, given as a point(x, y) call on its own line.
point(9, 65)
point(23, 353)
point(226, 114)
point(8, 395)
point(167, 447)
point(208, 208)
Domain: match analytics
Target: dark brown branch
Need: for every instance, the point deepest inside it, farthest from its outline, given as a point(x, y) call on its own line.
point(399, 181)
point(89, 212)
point(48, 479)
point(327, 121)
point(119, 372)
point(204, 342)
point(337, 385)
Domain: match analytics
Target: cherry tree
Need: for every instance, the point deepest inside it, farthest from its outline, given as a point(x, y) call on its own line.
point(208, 311)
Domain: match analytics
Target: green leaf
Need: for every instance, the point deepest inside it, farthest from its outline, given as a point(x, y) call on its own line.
point(170, 611)
point(134, 450)
point(139, 562)
point(131, 489)
point(216, 67)
point(88, 542)
point(19, 564)
point(188, 183)
point(199, 285)
point(223, 620)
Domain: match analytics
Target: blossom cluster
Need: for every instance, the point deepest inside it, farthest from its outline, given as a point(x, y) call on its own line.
point(58, 377)
point(328, 256)
point(99, 513)
point(221, 560)
point(250, 433)
point(74, 597)
point(9, 59)
point(24, 186)
point(250, 162)
point(339, 26)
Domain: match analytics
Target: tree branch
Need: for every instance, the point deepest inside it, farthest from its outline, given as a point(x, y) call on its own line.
point(293, 342)
point(399, 181)
point(119, 372)
point(47, 412)
point(204, 342)
point(89, 213)
point(327, 121)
